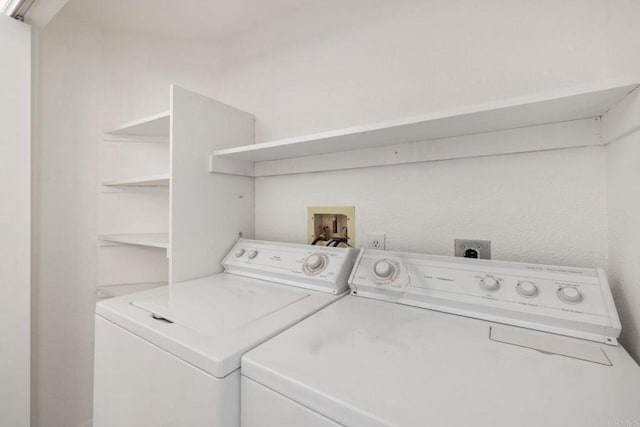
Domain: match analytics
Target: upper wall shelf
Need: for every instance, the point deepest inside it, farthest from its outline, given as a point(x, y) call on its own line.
point(559, 106)
point(156, 125)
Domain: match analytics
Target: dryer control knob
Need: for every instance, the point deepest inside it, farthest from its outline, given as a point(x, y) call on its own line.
point(315, 262)
point(239, 253)
point(253, 254)
point(384, 269)
point(527, 289)
point(489, 283)
point(570, 295)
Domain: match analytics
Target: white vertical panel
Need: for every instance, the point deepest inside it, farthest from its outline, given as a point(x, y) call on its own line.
point(207, 210)
point(15, 221)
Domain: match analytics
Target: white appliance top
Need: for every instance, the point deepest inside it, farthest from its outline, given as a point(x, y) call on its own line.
point(364, 362)
point(210, 322)
point(569, 301)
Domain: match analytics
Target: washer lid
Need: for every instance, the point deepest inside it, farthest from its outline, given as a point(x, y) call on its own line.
point(210, 322)
point(214, 310)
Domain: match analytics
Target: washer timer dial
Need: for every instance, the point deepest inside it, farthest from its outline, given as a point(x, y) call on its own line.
point(385, 270)
point(315, 263)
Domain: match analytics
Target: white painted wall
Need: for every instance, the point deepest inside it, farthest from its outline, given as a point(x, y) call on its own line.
point(622, 38)
point(341, 64)
point(624, 235)
point(41, 12)
point(88, 81)
point(622, 125)
point(546, 207)
point(66, 199)
point(332, 65)
point(388, 61)
point(15, 221)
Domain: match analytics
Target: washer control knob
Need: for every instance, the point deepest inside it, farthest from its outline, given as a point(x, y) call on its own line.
point(527, 289)
point(570, 295)
point(253, 254)
point(239, 253)
point(315, 262)
point(489, 283)
point(384, 269)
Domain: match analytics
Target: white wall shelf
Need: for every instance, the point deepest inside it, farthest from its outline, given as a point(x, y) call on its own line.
point(161, 180)
point(566, 105)
point(111, 291)
point(153, 240)
point(156, 125)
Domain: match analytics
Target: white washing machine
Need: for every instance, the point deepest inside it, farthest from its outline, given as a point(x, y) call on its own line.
point(171, 356)
point(433, 341)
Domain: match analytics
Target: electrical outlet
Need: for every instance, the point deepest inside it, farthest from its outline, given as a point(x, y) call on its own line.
point(473, 248)
point(376, 241)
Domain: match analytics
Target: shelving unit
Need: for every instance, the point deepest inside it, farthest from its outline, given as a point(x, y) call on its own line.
point(157, 193)
point(381, 143)
point(135, 205)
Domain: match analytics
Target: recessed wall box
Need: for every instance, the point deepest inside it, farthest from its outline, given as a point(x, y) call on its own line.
point(325, 223)
point(473, 248)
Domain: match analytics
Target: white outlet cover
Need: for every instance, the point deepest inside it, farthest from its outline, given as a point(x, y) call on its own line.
point(376, 241)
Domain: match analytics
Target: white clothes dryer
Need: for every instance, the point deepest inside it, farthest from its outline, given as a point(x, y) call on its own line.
point(434, 341)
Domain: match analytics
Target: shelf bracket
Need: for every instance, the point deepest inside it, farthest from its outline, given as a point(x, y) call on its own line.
point(231, 166)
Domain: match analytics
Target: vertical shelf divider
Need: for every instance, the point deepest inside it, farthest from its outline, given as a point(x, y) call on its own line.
point(208, 211)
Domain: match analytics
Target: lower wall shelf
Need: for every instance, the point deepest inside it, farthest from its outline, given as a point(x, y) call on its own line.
point(111, 291)
point(161, 180)
point(154, 240)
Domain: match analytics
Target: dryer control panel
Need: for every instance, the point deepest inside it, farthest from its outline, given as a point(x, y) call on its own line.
point(313, 267)
point(564, 300)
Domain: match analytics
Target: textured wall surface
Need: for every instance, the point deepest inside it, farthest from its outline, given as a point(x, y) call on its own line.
point(337, 64)
point(623, 178)
point(547, 207)
point(624, 235)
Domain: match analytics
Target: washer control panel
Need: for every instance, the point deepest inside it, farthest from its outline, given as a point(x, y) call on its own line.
point(563, 300)
point(313, 267)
